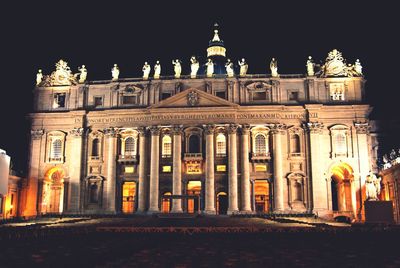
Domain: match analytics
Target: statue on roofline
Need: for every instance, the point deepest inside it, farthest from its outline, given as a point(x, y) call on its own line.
point(194, 67)
point(229, 68)
point(115, 72)
point(274, 67)
point(243, 67)
point(177, 68)
point(146, 70)
point(39, 77)
point(310, 66)
point(210, 68)
point(157, 70)
point(83, 74)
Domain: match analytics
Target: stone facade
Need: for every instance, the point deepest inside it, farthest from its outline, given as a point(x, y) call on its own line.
point(241, 144)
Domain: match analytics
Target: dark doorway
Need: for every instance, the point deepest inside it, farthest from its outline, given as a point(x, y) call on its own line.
point(222, 206)
point(334, 191)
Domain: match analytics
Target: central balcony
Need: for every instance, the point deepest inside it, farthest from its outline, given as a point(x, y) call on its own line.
point(260, 156)
point(127, 158)
point(193, 157)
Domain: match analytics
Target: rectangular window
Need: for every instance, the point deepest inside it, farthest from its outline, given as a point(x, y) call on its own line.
point(129, 169)
point(59, 100)
point(221, 168)
point(261, 168)
point(259, 95)
point(98, 101)
point(129, 100)
point(294, 96)
point(166, 95)
point(166, 169)
point(220, 94)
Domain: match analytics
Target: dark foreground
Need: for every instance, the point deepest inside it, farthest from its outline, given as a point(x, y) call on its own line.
point(277, 247)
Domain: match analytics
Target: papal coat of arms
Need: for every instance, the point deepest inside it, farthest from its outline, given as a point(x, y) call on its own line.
point(193, 98)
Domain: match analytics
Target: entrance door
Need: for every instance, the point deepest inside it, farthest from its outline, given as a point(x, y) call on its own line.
point(128, 197)
point(193, 188)
point(54, 206)
point(222, 203)
point(166, 203)
point(261, 195)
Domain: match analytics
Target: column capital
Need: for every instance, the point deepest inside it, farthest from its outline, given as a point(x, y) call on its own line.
point(111, 132)
point(177, 129)
point(245, 129)
point(314, 127)
point(37, 134)
point(362, 127)
point(209, 129)
point(155, 130)
point(142, 131)
point(76, 132)
point(232, 128)
point(277, 128)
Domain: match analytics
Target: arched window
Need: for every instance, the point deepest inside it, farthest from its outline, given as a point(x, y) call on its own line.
point(56, 149)
point(295, 144)
point(260, 144)
point(194, 144)
point(130, 146)
point(95, 147)
point(340, 143)
point(221, 144)
point(166, 146)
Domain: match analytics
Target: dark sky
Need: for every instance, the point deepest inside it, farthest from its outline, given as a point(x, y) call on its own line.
point(36, 35)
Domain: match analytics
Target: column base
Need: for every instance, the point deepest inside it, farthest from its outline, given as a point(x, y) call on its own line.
point(246, 211)
point(176, 210)
point(152, 212)
point(210, 212)
point(232, 212)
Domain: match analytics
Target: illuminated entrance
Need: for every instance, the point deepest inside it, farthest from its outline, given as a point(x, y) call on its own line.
point(193, 188)
point(261, 195)
point(166, 204)
point(53, 191)
point(128, 197)
point(222, 203)
point(342, 192)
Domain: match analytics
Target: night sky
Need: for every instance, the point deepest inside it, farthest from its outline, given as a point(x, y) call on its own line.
point(36, 35)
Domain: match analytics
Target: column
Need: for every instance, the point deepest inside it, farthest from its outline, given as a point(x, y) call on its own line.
point(277, 132)
point(142, 170)
point(319, 188)
point(111, 145)
point(246, 201)
point(210, 191)
point(232, 172)
point(362, 130)
point(34, 161)
point(75, 168)
point(154, 169)
point(177, 169)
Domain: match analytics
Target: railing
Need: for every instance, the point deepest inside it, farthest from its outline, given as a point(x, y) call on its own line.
point(220, 155)
point(193, 156)
point(94, 157)
point(127, 158)
point(260, 156)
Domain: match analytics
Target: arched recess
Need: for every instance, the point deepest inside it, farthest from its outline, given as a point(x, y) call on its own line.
point(53, 191)
point(222, 203)
point(297, 191)
point(343, 194)
point(95, 142)
point(94, 192)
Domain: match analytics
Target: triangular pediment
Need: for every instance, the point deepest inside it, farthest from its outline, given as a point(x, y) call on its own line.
point(193, 98)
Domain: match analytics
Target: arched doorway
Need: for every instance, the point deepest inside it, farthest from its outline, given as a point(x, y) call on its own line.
point(166, 203)
point(193, 188)
point(53, 191)
point(129, 197)
point(261, 195)
point(342, 190)
point(222, 203)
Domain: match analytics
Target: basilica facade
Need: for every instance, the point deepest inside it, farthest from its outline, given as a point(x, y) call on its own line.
point(215, 141)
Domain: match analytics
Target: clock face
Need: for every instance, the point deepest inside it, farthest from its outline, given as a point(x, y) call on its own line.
point(61, 77)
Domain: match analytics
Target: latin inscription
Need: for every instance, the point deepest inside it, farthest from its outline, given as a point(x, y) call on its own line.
point(173, 117)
